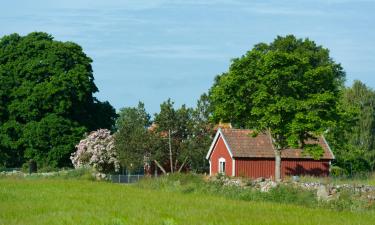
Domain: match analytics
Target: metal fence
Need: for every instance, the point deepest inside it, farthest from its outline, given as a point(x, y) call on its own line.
point(9, 169)
point(127, 179)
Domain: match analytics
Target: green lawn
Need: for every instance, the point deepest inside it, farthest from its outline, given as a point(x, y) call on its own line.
point(368, 180)
point(57, 201)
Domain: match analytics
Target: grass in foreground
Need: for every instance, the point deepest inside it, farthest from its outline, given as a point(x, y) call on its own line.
point(286, 194)
point(366, 179)
point(57, 201)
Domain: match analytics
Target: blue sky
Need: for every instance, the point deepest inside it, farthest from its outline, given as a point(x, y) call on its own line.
point(152, 50)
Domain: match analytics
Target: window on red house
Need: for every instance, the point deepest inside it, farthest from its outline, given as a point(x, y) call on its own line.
point(221, 165)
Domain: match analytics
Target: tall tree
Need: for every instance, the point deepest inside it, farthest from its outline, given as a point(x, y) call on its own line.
point(202, 135)
point(133, 141)
point(288, 88)
point(47, 86)
point(178, 138)
point(353, 139)
point(175, 127)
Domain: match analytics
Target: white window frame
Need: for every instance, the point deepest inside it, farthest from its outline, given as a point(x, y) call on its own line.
point(222, 161)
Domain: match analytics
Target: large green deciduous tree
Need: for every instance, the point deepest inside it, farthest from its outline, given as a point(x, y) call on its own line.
point(288, 88)
point(46, 99)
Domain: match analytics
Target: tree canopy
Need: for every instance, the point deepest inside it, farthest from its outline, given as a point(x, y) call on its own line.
point(178, 137)
point(289, 88)
point(133, 141)
point(46, 99)
point(353, 138)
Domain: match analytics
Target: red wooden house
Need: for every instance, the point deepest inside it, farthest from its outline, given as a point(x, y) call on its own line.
point(236, 153)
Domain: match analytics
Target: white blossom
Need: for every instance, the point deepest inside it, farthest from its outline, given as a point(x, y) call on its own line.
point(97, 150)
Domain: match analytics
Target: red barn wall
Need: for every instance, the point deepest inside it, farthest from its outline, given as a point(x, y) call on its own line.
point(220, 150)
point(255, 167)
point(265, 167)
point(290, 167)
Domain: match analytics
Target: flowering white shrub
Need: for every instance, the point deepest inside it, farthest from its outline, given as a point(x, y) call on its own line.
point(98, 151)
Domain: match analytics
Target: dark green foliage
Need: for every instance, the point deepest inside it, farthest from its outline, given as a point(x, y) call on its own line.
point(50, 141)
point(46, 99)
point(288, 87)
point(191, 134)
point(137, 142)
point(133, 141)
point(353, 138)
point(202, 135)
point(179, 123)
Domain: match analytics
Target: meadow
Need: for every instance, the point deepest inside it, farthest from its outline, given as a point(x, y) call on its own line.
point(77, 201)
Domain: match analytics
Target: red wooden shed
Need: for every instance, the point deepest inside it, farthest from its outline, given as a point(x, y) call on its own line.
point(236, 153)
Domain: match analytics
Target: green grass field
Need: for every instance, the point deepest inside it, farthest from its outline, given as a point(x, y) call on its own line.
point(58, 201)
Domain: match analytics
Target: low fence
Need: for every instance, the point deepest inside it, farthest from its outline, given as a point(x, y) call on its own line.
point(9, 169)
point(126, 179)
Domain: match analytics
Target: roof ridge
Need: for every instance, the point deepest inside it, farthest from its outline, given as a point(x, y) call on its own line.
point(261, 146)
point(237, 129)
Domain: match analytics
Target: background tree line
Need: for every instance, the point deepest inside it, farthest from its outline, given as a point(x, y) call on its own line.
point(46, 100)
point(290, 87)
point(47, 106)
point(175, 140)
point(353, 137)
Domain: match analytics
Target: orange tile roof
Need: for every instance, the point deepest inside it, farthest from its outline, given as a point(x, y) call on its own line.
point(243, 144)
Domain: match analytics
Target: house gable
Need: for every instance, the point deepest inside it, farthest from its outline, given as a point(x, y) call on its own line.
point(219, 153)
point(219, 135)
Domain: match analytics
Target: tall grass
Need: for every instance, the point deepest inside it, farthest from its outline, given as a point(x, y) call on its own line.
point(74, 201)
point(80, 174)
point(356, 179)
point(191, 183)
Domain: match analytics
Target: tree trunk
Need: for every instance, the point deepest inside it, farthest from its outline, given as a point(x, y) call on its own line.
point(170, 151)
point(182, 165)
point(277, 165)
point(277, 151)
point(175, 164)
point(160, 167)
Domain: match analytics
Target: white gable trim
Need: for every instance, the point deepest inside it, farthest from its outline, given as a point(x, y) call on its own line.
point(218, 134)
point(329, 148)
point(234, 167)
point(210, 166)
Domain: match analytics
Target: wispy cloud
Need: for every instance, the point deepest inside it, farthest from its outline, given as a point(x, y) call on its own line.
point(162, 51)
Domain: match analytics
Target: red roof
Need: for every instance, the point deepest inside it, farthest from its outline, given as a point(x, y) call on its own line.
point(242, 144)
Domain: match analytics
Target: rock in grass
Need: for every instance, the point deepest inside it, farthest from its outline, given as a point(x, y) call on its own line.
point(322, 193)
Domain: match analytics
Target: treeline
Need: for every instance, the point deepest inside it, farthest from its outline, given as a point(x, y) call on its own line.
point(46, 100)
point(175, 140)
point(292, 85)
point(353, 137)
point(47, 106)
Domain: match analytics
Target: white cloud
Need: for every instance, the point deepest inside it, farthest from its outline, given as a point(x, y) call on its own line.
point(162, 51)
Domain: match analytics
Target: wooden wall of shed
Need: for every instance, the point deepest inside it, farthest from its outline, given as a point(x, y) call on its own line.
point(265, 167)
point(220, 151)
point(255, 167)
point(290, 167)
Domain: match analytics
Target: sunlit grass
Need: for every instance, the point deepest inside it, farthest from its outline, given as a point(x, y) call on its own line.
point(369, 179)
point(55, 201)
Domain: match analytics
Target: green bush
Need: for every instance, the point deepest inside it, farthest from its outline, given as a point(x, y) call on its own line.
point(337, 171)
